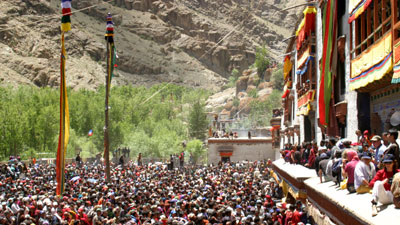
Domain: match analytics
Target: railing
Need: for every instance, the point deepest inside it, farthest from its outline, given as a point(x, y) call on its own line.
point(371, 36)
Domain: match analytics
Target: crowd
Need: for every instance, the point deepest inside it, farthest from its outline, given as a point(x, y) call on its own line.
point(231, 193)
point(369, 165)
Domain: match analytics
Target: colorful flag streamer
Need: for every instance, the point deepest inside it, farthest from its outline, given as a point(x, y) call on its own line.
point(307, 25)
point(109, 36)
point(66, 15)
point(329, 39)
point(361, 6)
point(64, 111)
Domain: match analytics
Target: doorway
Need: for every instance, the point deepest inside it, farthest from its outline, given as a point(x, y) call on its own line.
point(225, 159)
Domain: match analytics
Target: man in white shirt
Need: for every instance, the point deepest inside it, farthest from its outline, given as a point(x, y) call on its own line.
point(379, 148)
point(15, 207)
point(363, 173)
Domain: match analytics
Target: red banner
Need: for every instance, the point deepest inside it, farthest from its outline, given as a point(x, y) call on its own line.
point(306, 98)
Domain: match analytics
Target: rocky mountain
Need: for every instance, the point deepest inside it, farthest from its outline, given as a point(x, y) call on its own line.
point(189, 42)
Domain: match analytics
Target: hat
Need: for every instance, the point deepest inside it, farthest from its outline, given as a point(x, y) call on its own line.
point(322, 148)
point(365, 144)
point(238, 207)
point(365, 131)
point(388, 158)
point(366, 155)
point(376, 138)
point(392, 131)
point(323, 156)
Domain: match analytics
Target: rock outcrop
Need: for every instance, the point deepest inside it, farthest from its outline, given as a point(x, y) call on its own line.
point(190, 42)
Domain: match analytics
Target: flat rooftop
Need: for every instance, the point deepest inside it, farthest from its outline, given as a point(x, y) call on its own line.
point(241, 140)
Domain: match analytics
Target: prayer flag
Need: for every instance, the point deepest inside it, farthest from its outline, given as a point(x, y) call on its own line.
point(90, 132)
point(66, 15)
point(112, 53)
point(329, 40)
point(64, 111)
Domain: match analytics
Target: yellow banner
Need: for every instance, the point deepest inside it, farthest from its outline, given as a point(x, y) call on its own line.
point(372, 56)
point(287, 67)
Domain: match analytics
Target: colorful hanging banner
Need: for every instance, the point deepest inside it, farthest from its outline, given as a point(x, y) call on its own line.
point(287, 67)
point(396, 74)
point(373, 74)
point(357, 7)
point(329, 41)
point(304, 110)
point(301, 59)
point(286, 89)
point(112, 53)
point(109, 29)
point(64, 125)
point(305, 67)
point(305, 99)
point(66, 15)
point(396, 63)
point(372, 56)
point(307, 25)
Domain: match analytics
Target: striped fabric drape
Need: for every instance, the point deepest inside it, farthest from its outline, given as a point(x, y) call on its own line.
point(64, 111)
point(329, 40)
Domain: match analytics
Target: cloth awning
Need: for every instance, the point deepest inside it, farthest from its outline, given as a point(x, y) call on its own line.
point(306, 98)
point(396, 74)
point(396, 63)
point(372, 56)
point(372, 74)
point(303, 57)
point(357, 7)
point(307, 25)
point(305, 67)
point(225, 154)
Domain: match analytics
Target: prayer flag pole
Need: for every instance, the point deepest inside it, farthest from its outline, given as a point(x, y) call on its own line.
point(64, 111)
point(109, 36)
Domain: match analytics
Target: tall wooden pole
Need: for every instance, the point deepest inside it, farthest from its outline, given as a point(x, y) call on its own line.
point(110, 66)
point(106, 138)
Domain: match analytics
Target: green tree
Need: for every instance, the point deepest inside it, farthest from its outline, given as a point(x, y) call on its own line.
point(147, 120)
point(262, 60)
point(196, 148)
point(277, 79)
point(198, 121)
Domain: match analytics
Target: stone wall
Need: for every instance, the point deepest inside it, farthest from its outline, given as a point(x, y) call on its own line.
point(242, 149)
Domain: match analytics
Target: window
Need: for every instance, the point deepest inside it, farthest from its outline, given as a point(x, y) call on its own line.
point(374, 23)
point(396, 21)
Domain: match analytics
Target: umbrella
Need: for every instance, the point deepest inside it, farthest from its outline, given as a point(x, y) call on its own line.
point(395, 119)
point(75, 178)
point(91, 180)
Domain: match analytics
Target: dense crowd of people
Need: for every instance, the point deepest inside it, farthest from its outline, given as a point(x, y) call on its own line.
point(369, 165)
point(231, 193)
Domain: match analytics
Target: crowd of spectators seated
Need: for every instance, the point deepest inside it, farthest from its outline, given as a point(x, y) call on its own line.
point(369, 165)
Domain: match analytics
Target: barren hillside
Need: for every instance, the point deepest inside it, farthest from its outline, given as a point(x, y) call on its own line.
point(189, 42)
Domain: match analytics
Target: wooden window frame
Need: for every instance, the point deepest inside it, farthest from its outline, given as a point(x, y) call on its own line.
point(363, 24)
point(395, 22)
